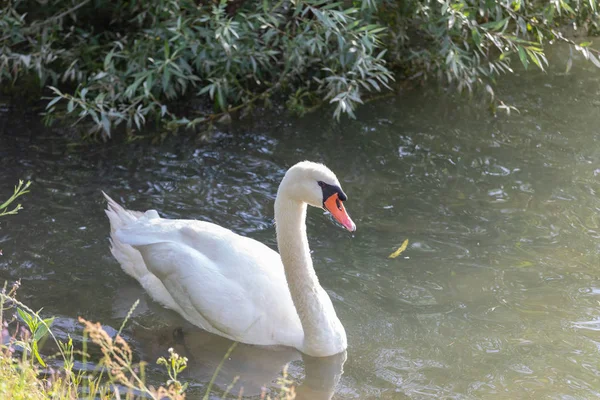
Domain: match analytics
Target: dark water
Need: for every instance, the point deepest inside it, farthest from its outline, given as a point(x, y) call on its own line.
point(497, 295)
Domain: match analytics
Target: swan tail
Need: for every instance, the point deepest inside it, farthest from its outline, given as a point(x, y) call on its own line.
point(130, 259)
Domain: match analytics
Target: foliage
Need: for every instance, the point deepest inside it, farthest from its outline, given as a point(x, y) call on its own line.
point(114, 376)
point(174, 366)
point(15, 381)
point(38, 328)
point(131, 62)
point(126, 62)
point(20, 190)
point(19, 383)
point(469, 43)
point(66, 382)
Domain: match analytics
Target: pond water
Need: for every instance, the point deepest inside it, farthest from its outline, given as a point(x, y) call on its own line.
point(497, 295)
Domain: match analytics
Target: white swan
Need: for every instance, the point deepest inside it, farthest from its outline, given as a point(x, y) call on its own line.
point(235, 286)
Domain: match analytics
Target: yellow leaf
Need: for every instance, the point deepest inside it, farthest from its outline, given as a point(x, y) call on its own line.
point(524, 264)
point(400, 250)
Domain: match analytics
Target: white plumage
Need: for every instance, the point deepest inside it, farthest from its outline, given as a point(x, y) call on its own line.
point(232, 285)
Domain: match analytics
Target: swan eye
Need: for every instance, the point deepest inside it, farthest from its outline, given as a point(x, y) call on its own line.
point(321, 183)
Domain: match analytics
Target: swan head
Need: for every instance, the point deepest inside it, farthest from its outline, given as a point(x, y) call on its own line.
point(316, 185)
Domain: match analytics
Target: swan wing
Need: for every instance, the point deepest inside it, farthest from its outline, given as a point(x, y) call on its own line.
point(223, 282)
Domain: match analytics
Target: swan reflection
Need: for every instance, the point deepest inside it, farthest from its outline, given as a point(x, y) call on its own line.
point(253, 368)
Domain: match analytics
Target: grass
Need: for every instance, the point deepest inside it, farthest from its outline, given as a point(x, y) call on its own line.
point(17, 382)
point(25, 373)
point(20, 190)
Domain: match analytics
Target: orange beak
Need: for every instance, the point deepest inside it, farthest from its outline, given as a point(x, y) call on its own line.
point(334, 205)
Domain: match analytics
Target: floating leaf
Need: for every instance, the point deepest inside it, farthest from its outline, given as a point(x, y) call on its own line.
point(524, 264)
point(400, 250)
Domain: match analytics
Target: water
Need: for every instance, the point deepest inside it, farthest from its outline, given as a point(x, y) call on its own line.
point(497, 295)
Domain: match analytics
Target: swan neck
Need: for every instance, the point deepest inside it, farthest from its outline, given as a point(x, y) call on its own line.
point(290, 222)
point(323, 332)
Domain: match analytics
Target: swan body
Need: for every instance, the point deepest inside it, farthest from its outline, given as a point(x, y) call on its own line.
point(235, 286)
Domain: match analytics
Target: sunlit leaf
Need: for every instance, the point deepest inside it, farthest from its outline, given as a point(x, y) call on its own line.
point(42, 329)
point(34, 348)
point(400, 250)
point(53, 102)
point(25, 317)
point(534, 57)
point(524, 264)
point(594, 60)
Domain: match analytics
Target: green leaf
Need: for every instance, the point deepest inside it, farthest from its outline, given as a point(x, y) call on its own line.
point(166, 79)
point(48, 321)
point(535, 58)
point(26, 317)
point(565, 6)
point(594, 60)
point(55, 90)
point(476, 37)
point(220, 99)
point(53, 101)
point(42, 329)
point(94, 116)
point(34, 348)
point(374, 84)
point(496, 25)
point(523, 56)
point(105, 124)
point(167, 50)
point(368, 27)
point(107, 59)
point(206, 88)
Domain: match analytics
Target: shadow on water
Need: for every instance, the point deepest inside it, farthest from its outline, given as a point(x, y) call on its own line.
point(496, 295)
point(252, 368)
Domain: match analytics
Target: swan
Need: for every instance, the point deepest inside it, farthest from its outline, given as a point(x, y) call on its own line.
point(234, 286)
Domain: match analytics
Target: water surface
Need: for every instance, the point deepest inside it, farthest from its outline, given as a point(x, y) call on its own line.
point(496, 297)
